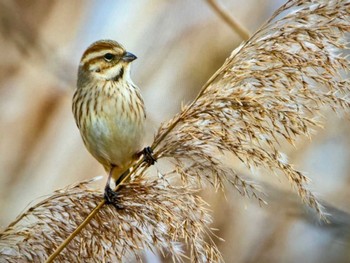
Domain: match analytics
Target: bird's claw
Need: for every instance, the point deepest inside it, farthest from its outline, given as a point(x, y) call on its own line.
point(148, 155)
point(112, 197)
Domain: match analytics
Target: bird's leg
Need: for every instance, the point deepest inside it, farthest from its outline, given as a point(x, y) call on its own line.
point(111, 196)
point(148, 157)
point(121, 178)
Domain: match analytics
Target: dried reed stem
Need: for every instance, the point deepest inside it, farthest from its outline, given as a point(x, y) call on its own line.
point(88, 218)
point(76, 232)
point(229, 19)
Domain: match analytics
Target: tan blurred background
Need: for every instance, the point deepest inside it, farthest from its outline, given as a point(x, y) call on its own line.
point(179, 45)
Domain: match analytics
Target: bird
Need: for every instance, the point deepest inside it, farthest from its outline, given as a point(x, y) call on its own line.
point(109, 111)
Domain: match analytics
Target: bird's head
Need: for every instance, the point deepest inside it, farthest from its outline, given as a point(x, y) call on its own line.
point(106, 60)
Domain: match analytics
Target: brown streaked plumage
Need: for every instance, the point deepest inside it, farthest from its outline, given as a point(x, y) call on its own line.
point(108, 108)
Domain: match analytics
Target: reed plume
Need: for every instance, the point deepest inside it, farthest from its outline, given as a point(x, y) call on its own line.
point(155, 216)
point(271, 89)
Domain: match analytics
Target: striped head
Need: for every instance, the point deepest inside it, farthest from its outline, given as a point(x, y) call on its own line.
point(105, 60)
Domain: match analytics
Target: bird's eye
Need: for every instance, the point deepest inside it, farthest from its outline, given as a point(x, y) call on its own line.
point(108, 57)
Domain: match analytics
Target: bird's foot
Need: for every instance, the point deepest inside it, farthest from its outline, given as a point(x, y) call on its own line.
point(148, 155)
point(112, 197)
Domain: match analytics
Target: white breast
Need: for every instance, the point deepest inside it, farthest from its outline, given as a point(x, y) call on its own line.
point(115, 132)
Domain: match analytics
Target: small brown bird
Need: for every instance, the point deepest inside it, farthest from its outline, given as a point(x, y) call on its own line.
point(109, 110)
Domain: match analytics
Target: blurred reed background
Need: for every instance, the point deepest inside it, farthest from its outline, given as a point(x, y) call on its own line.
point(180, 44)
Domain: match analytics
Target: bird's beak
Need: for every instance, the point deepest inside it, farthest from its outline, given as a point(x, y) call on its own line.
point(128, 57)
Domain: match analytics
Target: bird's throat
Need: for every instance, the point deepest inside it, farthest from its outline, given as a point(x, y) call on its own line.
point(120, 75)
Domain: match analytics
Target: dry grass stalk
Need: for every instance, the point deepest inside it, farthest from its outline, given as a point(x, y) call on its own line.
point(229, 19)
point(270, 89)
